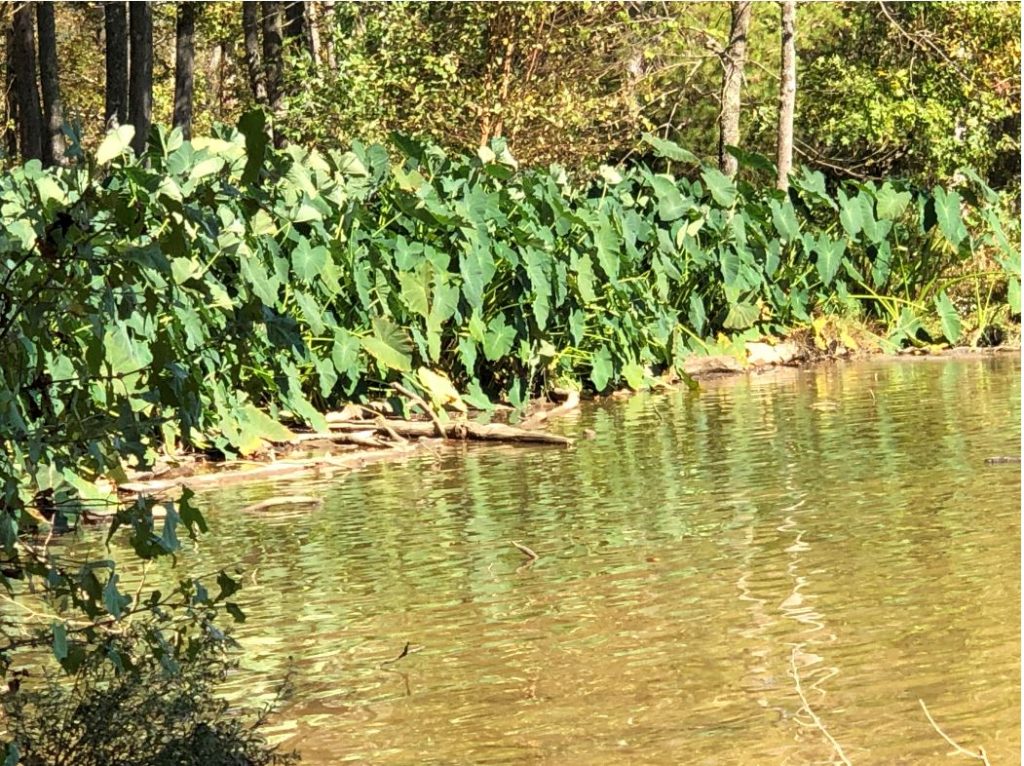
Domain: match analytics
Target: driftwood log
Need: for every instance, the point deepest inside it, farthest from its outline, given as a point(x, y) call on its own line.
point(496, 432)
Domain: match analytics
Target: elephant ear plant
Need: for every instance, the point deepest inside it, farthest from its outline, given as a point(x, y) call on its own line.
point(207, 294)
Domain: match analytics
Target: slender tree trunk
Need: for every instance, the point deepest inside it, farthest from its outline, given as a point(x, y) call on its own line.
point(53, 108)
point(327, 12)
point(30, 128)
point(298, 26)
point(251, 33)
point(115, 25)
point(314, 10)
point(787, 94)
point(11, 92)
point(734, 58)
point(184, 67)
point(272, 62)
point(140, 80)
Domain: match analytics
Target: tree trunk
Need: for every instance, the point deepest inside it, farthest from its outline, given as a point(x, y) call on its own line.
point(327, 12)
point(115, 24)
point(53, 108)
point(11, 93)
point(298, 27)
point(250, 29)
point(31, 123)
point(140, 79)
point(314, 11)
point(184, 67)
point(734, 58)
point(272, 62)
point(787, 94)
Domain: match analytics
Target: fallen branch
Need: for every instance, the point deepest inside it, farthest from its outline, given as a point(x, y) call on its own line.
point(276, 469)
point(275, 502)
point(417, 399)
point(463, 430)
point(526, 551)
point(978, 756)
point(363, 438)
point(1003, 459)
point(571, 403)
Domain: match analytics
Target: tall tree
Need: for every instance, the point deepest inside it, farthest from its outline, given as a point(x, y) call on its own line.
point(787, 94)
point(30, 128)
point(184, 67)
point(10, 91)
point(53, 108)
point(115, 27)
point(272, 60)
point(140, 78)
point(298, 26)
point(251, 34)
point(734, 58)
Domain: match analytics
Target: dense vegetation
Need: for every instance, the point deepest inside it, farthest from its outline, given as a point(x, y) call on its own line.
point(160, 294)
point(914, 90)
point(173, 303)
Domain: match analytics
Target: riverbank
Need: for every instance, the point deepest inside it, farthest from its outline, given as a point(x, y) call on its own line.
point(361, 435)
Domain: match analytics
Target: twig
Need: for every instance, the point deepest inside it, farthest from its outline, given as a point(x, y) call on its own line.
point(526, 551)
point(814, 716)
point(406, 651)
point(417, 399)
point(978, 756)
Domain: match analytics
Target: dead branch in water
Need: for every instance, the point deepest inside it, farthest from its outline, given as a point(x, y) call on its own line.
point(463, 430)
point(274, 502)
point(526, 551)
point(417, 399)
point(815, 720)
point(571, 403)
point(978, 756)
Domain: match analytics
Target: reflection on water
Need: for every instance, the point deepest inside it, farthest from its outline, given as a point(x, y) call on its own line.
point(839, 524)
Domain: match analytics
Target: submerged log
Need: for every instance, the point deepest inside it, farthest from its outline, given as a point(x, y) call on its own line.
point(476, 431)
point(279, 500)
point(571, 403)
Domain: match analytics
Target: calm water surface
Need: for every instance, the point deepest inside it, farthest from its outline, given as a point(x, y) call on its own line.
point(699, 557)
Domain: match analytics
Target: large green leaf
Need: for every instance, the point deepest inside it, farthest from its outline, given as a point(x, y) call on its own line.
point(669, 150)
point(851, 215)
point(608, 245)
point(389, 344)
point(947, 214)
point(498, 339)
point(829, 257)
point(784, 218)
point(722, 189)
point(671, 204)
point(741, 315)
point(114, 144)
point(948, 317)
point(308, 261)
point(601, 369)
point(891, 204)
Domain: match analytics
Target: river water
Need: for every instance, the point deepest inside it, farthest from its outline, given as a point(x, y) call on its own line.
point(774, 570)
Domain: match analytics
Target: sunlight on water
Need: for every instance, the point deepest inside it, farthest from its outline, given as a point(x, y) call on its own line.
point(699, 557)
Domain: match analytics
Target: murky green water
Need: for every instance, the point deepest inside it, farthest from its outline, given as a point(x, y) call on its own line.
point(839, 525)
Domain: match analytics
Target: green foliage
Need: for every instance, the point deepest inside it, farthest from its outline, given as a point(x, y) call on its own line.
point(201, 298)
point(137, 708)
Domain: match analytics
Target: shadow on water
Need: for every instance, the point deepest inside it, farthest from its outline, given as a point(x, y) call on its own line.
point(699, 557)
